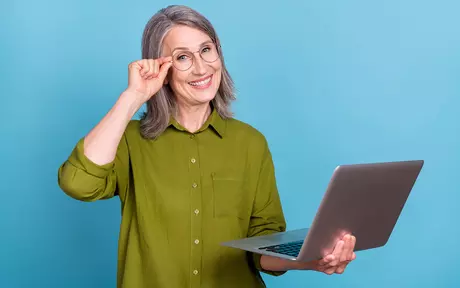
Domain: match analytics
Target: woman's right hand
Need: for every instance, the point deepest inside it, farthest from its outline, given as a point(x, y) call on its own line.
point(147, 76)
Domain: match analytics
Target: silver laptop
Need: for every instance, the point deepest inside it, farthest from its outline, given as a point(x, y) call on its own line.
point(362, 199)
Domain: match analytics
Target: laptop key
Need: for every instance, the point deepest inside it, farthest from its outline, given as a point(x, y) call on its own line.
point(291, 248)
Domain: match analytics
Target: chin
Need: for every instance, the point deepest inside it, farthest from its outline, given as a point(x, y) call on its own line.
point(203, 99)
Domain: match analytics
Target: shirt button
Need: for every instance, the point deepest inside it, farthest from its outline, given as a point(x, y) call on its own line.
point(197, 211)
point(193, 160)
point(192, 136)
point(194, 185)
point(195, 272)
point(197, 241)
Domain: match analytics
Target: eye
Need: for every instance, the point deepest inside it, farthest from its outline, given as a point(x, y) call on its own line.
point(206, 49)
point(182, 57)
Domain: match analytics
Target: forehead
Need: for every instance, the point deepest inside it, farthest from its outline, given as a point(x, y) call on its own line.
point(184, 36)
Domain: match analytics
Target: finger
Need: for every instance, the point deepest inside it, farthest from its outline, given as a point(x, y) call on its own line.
point(135, 65)
point(347, 248)
point(160, 62)
point(330, 270)
point(142, 68)
point(164, 59)
point(320, 268)
point(145, 67)
point(352, 248)
point(337, 252)
point(149, 71)
point(164, 70)
point(326, 260)
point(154, 69)
point(341, 268)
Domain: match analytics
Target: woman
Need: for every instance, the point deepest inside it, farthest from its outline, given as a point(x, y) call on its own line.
point(188, 175)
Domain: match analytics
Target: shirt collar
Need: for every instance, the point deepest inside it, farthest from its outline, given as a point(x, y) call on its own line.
point(217, 123)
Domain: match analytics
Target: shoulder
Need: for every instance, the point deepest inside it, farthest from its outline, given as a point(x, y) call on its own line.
point(133, 126)
point(133, 131)
point(248, 133)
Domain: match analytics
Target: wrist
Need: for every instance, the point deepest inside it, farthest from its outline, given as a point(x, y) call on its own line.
point(299, 265)
point(272, 263)
point(130, 100)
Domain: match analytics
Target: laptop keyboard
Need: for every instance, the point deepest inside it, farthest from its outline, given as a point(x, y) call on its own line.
point(291, 248)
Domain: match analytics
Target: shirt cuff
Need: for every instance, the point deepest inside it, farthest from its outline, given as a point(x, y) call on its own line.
point(79, 159)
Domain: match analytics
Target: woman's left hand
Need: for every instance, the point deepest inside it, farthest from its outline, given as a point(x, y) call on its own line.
point(337, 261)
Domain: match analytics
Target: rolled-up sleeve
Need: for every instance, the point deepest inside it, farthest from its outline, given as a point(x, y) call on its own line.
point(267, 216)
point(84, 180)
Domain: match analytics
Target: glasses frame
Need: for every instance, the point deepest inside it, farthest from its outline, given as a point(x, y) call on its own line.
point(194, 57)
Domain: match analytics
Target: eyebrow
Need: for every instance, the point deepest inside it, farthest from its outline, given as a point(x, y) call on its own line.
point(186, 48)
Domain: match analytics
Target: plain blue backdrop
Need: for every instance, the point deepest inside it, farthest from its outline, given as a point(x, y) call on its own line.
point(327, 82)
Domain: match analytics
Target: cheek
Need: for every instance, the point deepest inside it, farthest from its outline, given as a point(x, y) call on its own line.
point(217, 70)
point(218, 76)
point(217, 66)
point(178, 79)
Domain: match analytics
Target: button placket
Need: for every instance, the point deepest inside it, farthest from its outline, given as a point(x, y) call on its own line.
point(195, 196)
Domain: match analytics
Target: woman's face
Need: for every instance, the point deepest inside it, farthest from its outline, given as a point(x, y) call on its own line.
point(193, 80)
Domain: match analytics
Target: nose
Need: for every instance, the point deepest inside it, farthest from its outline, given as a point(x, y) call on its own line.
point(199, 65)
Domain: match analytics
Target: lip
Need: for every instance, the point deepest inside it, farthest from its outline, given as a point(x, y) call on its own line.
point(206, 86)
point(201, 79)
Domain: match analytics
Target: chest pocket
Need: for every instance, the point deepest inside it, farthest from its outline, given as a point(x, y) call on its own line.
point(229, 197)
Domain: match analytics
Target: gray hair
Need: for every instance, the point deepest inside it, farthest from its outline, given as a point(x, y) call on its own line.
point(162, 105)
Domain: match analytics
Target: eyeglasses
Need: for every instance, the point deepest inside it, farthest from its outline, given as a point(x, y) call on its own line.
point(183, 60)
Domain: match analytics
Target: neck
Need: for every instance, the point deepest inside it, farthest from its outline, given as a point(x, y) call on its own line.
point(192, 118)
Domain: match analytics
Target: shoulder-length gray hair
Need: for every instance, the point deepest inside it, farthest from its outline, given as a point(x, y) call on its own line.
point(161, 106)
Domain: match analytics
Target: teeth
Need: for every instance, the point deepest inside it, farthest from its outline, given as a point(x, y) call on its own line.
point(201, 83)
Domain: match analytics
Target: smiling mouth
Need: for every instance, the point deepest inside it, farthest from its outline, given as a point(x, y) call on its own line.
point(202, 83)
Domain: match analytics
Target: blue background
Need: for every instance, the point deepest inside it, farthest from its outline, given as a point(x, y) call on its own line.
point(327, 82)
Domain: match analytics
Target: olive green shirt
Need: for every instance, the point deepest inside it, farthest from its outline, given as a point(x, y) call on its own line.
point(183, 194)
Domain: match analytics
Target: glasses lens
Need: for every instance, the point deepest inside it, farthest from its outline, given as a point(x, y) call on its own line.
point(183, 60)
point(209, 53)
